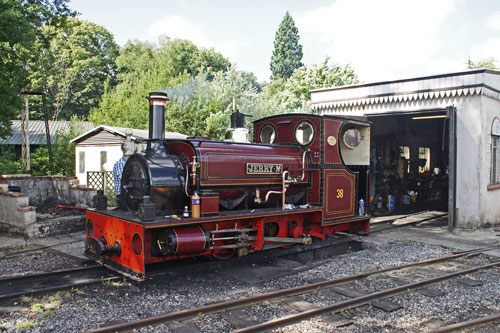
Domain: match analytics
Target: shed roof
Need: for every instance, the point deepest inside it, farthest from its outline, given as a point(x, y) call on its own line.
point(137, 134)
point(474, 82)
point(37, 135)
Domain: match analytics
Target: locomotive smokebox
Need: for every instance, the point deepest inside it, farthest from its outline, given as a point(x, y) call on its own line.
point(157, 102)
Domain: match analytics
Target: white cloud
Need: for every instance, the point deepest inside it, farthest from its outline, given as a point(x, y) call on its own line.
point(493, 21)
point(380, 39)
point(176, 26)
point(490, 48)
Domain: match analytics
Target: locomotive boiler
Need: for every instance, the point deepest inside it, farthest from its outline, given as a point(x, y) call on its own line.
point(304, 177)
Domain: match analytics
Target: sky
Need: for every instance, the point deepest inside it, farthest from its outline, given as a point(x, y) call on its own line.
point(381, 39)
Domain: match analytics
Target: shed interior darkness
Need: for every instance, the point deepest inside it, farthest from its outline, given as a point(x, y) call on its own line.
point(409, 162)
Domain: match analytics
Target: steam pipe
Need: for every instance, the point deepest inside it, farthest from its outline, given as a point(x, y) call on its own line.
point(304, 164)
point(283, 190)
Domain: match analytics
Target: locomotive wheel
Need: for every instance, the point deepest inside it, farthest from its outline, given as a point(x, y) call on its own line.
point(223, 254)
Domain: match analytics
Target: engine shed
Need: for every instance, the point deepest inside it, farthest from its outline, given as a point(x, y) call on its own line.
point(434, 142)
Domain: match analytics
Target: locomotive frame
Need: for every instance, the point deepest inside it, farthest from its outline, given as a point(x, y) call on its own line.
point(254, 196)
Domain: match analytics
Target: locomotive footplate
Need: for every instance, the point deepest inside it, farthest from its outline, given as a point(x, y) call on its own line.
point(162, 221)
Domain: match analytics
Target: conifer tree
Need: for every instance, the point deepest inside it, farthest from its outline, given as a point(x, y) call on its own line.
point(287, 53)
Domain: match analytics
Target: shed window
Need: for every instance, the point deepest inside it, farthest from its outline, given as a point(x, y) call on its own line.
point(424, 155)
point(81, 162)
point(495, 154)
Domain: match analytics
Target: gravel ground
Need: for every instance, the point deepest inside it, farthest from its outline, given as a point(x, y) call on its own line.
point(15, 263)
point(90, 307)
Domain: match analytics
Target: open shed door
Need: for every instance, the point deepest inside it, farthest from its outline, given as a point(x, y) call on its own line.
point(451, 113)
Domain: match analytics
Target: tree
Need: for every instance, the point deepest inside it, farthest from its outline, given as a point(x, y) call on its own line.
point(287, 53)
point(63, 152)
point(144, 68)
point(293, 94)
point(21, 23)
point(203, 107)
point(482, 63)
point(303, 80)
point(78, 59)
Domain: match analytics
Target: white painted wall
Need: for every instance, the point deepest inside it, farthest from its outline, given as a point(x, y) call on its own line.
point(490, 199)
point(92, 159)
point(469, 161)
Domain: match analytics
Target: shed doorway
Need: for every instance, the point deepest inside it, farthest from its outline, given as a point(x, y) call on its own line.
point(410, 157)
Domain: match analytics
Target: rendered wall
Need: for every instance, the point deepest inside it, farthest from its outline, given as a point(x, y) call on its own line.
point(92, 159)
point(490, 198)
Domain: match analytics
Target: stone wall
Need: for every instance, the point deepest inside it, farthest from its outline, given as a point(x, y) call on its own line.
point(18, 210)
point(15, 212)
point(64, 190)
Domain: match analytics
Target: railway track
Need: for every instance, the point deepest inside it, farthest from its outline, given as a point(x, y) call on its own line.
point(47, 282)
point(354, 301)
point(404, 221)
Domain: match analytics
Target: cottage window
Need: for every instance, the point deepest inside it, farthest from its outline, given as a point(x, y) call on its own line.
point(495, 154)
point(104, 159)
point(81, 162)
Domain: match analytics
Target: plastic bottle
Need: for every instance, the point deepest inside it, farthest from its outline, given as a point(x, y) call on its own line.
point(186, 212)
point(195, 205)
point(361, 207)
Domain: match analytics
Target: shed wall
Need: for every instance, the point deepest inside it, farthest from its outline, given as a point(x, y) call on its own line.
point(490, 199)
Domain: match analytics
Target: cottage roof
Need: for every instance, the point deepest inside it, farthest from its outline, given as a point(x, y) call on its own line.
point(137, 134)
point(474, 82)
point(37, 134)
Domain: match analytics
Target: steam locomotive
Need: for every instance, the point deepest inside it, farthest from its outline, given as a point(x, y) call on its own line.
point(304, 177)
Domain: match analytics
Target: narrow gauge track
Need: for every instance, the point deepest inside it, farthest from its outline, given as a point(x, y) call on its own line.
point(388, 224)
point(47, 282)
point(41, 283)
point(469, 323)
point(354, 302)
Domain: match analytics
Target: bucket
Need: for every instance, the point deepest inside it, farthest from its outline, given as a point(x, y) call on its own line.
point(405, 198)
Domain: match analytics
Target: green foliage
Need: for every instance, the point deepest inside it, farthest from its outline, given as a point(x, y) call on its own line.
point(202, 108)
point(21, 23)
point(287, 53)
point(489, 63)
point(63, 153)
point(73, 67)
point(9, 162)
point(292, 95)
point(27, 325)
point(144, 68)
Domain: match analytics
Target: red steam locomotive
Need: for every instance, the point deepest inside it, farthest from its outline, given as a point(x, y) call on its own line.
point(305, 176)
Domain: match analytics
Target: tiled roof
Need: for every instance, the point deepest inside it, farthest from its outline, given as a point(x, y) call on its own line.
point(37, 134)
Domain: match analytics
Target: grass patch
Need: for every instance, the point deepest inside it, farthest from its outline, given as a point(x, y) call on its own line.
point(26, 325)
point(46, 314)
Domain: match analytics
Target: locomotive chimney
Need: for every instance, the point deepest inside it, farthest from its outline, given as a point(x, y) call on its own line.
point(157, 101)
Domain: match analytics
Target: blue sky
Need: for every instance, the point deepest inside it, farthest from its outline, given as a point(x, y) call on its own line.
point(381, 40)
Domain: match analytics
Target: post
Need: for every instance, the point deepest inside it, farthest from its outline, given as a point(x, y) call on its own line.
point(47, 133)
point(451, 113)
point(25, 136)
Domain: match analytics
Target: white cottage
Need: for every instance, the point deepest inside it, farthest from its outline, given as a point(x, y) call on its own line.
point(434, 139)
point(96, 152)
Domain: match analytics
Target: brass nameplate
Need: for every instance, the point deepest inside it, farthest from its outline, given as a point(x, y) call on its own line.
point(264, 169)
